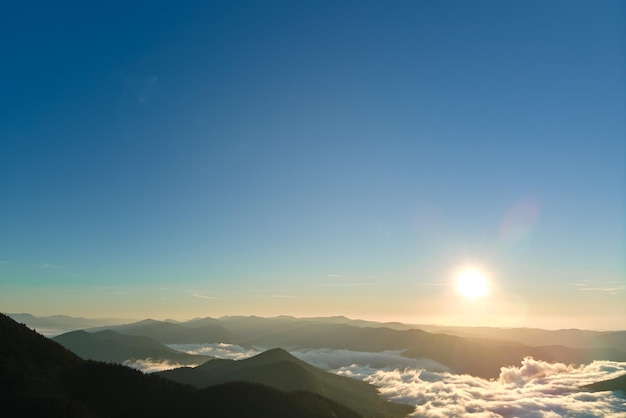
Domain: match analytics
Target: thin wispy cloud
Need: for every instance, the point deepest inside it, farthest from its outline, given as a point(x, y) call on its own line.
point(50, 266)
point(610, 287)
point(434, 284)
point(205, 297)
point(276, 296)
point(345, 284)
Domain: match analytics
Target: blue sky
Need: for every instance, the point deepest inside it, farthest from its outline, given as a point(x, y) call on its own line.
point(314, 158)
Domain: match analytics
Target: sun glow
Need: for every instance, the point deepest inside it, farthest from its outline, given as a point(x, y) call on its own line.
point(472, 284)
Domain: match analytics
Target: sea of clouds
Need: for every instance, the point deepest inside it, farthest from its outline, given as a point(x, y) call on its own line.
point(531, 389)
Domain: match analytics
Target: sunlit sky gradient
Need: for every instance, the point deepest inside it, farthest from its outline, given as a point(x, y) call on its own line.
point(314, 158)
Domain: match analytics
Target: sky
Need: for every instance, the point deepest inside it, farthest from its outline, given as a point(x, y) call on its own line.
point(315, 158)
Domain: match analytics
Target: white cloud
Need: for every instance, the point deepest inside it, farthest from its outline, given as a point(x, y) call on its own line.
point(348, 284)
point(532, 389)
point(150, 366)
point(50, 266)
point(220, 350)
point(610, 287)
point(205, 297)
point(332, 359)
point(535, 389)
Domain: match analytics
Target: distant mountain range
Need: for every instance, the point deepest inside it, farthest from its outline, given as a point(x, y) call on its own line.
point(479, 356)
point(114, 347)
point(279, 369)
point(231, 328)
point(58, 324)
point(575, 338)
point(195, 331)
point(38, 377)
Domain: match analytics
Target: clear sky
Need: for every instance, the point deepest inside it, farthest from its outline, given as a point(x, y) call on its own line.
point(183, 159)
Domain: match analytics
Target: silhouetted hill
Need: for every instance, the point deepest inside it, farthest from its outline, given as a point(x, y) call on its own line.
point(115, 347)
point(30, 365)
point(252, 326)
point(58, 324)
point(484, 358)
point(275, 403)
point(619, 383)
point(173, 333)
point(477, 356)
point(279, 369)
point(38, 377)
point(575, 338)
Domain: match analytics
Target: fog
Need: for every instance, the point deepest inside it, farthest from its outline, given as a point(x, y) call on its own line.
point(150, 366)
point(532, 388)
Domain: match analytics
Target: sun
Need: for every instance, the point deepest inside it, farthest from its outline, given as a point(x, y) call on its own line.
point(472, 284)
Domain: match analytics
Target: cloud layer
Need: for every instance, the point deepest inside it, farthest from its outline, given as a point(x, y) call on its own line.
point(532, 389)
point(150, 366)
point(219, 350)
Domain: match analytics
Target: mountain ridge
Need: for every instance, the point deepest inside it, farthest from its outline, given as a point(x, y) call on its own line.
point(279, 369)
point(111, 346)
point(39, 377)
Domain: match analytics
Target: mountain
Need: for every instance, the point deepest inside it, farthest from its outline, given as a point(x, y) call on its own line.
point(619, 383)
point(481, 357)
point(484, 358)
point(39, 377)
point(575, 338)
point(250, 329)
point(279, 369)
point(174, 333)
point(472, 354)
point(114, 347)
point(58, 324)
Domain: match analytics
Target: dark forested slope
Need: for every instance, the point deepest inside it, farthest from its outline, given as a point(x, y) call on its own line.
point(38, 377)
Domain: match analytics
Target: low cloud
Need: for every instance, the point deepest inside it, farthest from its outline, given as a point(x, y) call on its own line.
point(332, 359)
point(325, 358)
point(219, 350)
point(534, 389)
point(150, 366)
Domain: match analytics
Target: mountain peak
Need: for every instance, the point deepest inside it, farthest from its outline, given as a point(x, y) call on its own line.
point(273, 355)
